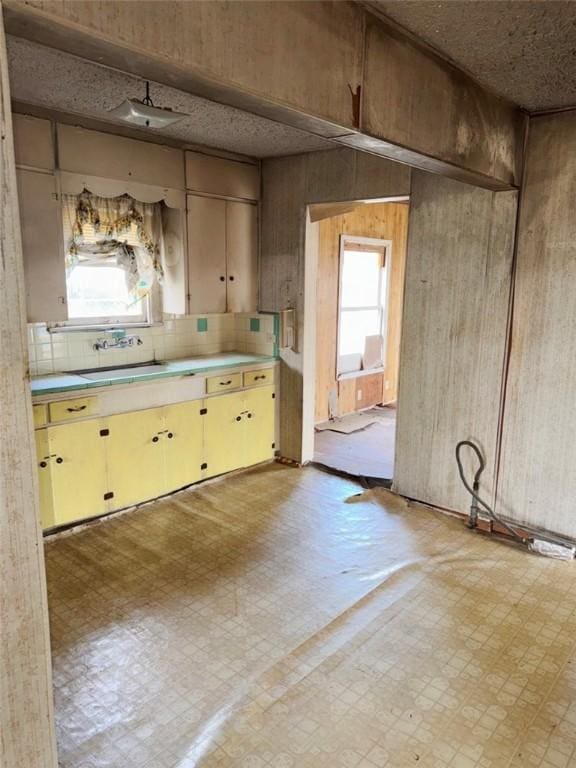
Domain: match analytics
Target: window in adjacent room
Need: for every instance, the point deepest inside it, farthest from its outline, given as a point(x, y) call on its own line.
point(112, 258)
point(362, 300)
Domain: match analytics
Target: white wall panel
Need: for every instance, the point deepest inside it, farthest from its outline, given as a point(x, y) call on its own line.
point(538, 471)
point(458, 271)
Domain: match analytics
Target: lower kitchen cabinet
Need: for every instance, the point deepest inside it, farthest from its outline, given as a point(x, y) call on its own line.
point(76, 463)
point(44, 479)
point(183, 444)
point(239, 430)
point(89, 467)
point(134, 459)
point(259, 425)
point(223, 434)
point(153, 452)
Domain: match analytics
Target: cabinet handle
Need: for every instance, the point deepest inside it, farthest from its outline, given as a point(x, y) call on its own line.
point(155, 439)
point(43, 464)
point(77, 409)
point(59, 460)
point(170, 435)
point(249, 415)
point(232, 278)
point(225, 383)
point(258, 378)
point(238, 418)
point(222, 278)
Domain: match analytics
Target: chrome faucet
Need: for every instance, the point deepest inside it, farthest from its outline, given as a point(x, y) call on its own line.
point(121, 343)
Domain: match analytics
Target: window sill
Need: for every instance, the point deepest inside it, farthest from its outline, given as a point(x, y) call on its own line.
point(358, 374)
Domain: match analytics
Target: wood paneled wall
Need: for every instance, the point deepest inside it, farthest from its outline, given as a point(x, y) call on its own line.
point(289, 184)
point(388, 221)
point(454, 326)
point(538, 468)
point(26, 712)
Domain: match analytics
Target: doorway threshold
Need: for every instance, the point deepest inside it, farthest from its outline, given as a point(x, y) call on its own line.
point(359, 445)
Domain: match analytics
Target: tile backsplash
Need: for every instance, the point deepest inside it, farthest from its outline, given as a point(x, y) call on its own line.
point(176, 337)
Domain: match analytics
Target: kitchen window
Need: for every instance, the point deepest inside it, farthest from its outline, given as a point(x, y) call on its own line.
point(112, 259)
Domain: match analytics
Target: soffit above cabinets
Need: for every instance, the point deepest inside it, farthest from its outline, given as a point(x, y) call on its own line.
point(46, 77)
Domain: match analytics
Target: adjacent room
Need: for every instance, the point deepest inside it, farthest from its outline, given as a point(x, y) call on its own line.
point(286, 475)
point(361, 251)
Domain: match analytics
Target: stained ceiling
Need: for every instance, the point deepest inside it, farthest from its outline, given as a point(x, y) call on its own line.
point(52, 79)
point(523, 50)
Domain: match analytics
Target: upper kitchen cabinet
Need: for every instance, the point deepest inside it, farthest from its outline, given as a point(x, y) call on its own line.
point(33, 142)
point(93, 153)
point(42, 246)
point(206, 254)
point(241, 257)
point(40, 220)
point(209, 175)
point(222, 255)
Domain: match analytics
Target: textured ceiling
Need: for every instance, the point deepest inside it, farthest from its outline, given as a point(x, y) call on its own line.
point(49, 78)
point(523, 50)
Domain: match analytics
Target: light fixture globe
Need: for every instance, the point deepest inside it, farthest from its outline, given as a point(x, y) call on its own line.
point(145, 114)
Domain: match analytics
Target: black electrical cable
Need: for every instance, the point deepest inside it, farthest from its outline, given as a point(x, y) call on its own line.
point(473, 491)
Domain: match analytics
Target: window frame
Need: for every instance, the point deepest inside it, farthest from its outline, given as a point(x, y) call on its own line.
point(349, 243)
point(152, 304)
point(105, 321)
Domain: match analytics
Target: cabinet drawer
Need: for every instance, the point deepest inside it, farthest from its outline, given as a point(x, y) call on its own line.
point(40, 415)
point(254, 378)
point(223, 383)
point(80, 407)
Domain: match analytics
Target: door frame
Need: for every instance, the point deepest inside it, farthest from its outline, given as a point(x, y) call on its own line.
point(311, 244)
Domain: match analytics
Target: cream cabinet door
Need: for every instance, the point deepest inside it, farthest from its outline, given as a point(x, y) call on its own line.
point(44, 478)
point(239, 430)
point(183, 439)
point(77, 471)
point(224, 434)
point(258, 419)
point(242, 256)
point(206, 223)
point(219, 176)
point(42, 247)
point(134, 457)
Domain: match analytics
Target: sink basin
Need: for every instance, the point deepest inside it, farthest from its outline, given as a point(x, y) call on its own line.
point(128, 372)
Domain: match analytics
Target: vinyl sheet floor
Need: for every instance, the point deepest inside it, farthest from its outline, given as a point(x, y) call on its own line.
point(367, 452)
point(284, 617)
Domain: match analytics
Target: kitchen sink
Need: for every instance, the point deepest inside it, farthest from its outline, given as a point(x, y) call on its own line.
point(126, 372)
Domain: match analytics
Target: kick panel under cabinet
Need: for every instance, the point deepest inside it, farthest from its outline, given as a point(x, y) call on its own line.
point(92, 466)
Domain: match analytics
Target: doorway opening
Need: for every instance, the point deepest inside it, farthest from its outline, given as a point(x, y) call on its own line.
point(360, 254)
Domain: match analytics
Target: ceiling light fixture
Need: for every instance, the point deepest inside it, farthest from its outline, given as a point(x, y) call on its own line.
point(145, 113)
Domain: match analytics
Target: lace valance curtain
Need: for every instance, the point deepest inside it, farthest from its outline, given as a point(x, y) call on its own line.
point(118, 230)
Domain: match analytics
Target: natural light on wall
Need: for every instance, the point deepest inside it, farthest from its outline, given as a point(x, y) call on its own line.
point(361, 304)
